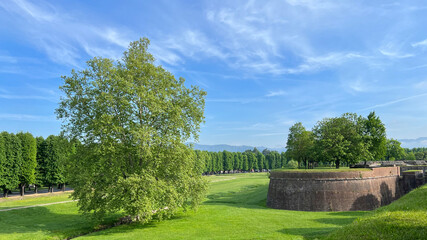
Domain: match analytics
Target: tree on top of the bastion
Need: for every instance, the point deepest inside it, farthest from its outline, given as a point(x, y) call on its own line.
point(132, 118)
point(346, 139)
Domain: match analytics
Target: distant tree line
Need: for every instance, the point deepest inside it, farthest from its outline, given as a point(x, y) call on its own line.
point(250, 160)
point(26, 160)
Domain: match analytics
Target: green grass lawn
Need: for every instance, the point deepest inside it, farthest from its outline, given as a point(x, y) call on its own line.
point(404, 219)
point(33, 200)
point(235, 209)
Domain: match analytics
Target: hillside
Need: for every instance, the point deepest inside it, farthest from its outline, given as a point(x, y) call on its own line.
point(230, 148)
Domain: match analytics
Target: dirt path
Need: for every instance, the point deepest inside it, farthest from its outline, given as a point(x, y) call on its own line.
point(37, 205)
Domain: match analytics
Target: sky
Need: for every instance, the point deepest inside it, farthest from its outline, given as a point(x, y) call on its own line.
point(264, 64)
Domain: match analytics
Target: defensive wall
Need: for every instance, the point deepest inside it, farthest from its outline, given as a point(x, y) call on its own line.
point(366, 189)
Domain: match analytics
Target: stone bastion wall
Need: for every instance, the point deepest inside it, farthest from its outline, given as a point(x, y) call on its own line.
point(334, 191)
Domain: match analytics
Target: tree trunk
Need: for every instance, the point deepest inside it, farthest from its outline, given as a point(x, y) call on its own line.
point(337, 164)
point(5, 191)
point(22, 190)
point(63, 187)
point(35, 189)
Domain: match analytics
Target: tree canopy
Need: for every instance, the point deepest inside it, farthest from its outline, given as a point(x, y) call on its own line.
point(132, 118)
point(348, 139)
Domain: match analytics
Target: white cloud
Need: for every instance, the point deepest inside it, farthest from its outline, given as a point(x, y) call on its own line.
point(235, 100)
point(393, 102)
point(64, 38)
point(276, 93)
point(315, 63)
point(422, 43)
point(8, 59)
point(28, 97)
point(421, 85)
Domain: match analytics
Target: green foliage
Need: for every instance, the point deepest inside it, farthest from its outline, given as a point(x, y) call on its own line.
point(375, 136)
point(410, 156)
point(292, 164)
point(393, 150)
point(29, 161)
point(132, 118)
point(300, 143)
point(340, 140)
point(12, 162)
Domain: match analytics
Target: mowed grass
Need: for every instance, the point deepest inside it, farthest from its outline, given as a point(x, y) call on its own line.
point(58, 221)
point(33, 200)
point(404, 219)
point(235, 209)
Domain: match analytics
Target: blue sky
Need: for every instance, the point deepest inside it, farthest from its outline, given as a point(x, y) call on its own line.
point(264, 64)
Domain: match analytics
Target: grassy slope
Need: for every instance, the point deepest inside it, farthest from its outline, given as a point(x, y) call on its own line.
point(403, 219)
point(235, 209)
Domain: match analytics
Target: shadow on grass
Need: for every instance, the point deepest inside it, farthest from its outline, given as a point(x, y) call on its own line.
point(348, 217)
point(338, 219)
point(251, 196)
point(308, 233)
point(52, 223)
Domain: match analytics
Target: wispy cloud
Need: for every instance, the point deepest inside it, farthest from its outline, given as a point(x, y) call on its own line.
point(422, 43)
point(8, 59)
point(64, 38)
point(26, 117)
point(393, 102)
point(235, 100)
point(28, 97)
point(276, 93)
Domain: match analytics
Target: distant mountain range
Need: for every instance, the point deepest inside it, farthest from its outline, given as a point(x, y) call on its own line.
point(230, 148)
point(406, 143)
point(414, 143)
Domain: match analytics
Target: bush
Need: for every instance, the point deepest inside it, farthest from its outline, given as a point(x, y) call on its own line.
point(292, 164)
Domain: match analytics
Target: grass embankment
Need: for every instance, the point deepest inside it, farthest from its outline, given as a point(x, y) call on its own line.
point(405, 218)
point(325, 169)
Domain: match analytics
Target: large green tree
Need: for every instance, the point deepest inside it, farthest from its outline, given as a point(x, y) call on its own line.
point(374, 134)
point(393, 150)
point(133, 118)
point(300, 144)
point(339, 140)
point(29, 161)
point(12, 162)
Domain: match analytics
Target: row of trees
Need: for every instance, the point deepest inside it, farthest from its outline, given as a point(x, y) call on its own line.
point(416, 154)
point(396, 152)
point(25, 160)
point(216, 162)
point(347, 139)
